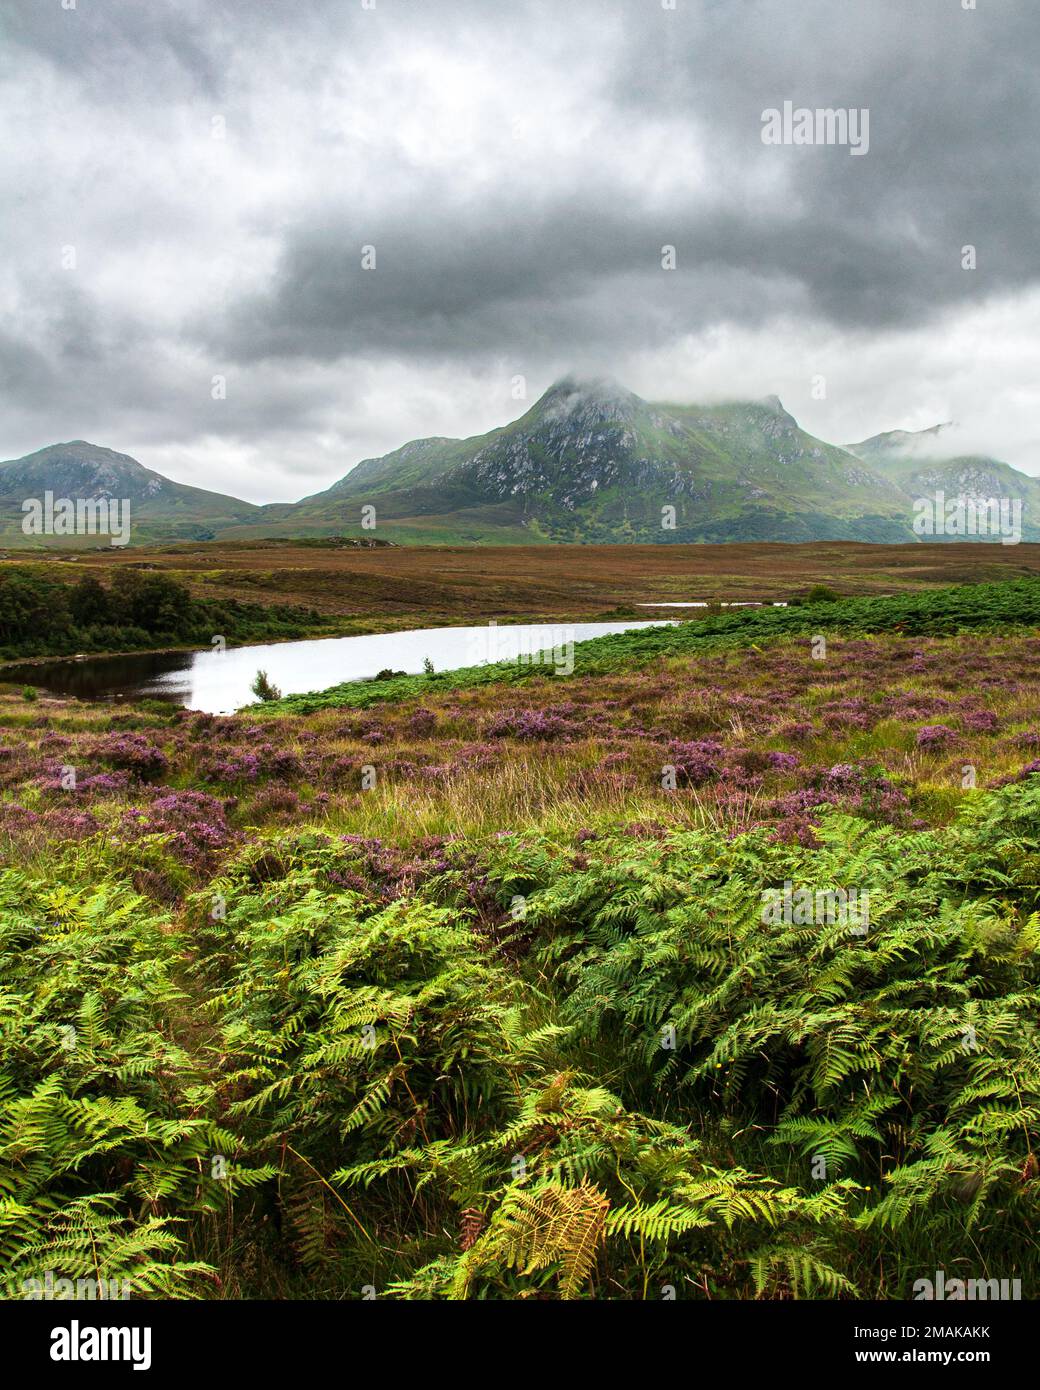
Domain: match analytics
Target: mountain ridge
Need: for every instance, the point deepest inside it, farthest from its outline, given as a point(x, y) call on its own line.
point(909, 459)
point(589, 461)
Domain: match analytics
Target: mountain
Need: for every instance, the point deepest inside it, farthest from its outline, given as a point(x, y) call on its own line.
point(925, 462)
point(590, 461)
point(158, 508)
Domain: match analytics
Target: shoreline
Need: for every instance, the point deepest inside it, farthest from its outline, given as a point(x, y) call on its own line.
point(373, 628)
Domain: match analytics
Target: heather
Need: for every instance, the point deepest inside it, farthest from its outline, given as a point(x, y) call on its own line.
point(997, 608)
point(735, 740)
point(471, 993)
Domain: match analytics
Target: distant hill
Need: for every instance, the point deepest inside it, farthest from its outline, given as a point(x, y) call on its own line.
point(589, 462)
point(921, 463)
point(159, 508)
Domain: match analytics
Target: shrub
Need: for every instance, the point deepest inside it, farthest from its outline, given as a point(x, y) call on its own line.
point(263, 688)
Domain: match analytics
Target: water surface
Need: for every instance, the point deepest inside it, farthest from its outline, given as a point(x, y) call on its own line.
point(703, 603)
point(218, 682)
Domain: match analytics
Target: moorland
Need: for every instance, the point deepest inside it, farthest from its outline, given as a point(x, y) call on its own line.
point(365, 588)
point(471, 984)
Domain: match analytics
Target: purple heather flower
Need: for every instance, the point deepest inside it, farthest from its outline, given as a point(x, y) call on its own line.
point(935, 736)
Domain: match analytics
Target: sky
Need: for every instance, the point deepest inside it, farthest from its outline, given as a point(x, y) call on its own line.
point(190, 188)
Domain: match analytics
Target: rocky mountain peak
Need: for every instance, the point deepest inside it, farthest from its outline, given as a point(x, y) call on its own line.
point(586, 400)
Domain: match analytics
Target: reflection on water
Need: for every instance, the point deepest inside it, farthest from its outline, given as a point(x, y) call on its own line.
point(218, 682)
point(100, 678)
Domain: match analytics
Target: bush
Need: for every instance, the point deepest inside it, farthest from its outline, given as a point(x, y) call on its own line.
point(263, 688)
point(42, 615)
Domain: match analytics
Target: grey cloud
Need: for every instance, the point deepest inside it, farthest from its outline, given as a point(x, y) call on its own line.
point(497, 251)
point(876, 242)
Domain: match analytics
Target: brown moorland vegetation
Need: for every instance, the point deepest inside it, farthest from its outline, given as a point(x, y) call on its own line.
point(394, 586)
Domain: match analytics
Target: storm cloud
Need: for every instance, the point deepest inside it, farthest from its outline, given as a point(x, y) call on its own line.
point(191, 188)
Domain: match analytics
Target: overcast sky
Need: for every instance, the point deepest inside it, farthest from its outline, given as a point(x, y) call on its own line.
point(217, 166)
